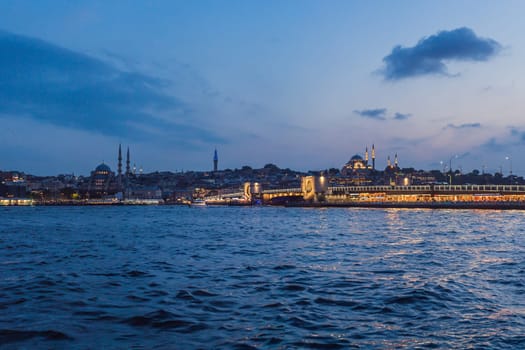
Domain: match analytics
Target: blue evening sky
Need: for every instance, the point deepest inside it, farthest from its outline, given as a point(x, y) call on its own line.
point(301, 84)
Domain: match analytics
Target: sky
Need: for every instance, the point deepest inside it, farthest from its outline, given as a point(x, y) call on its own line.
point(300, 84)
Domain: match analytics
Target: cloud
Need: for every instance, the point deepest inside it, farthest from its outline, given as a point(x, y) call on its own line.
point(463, 126)
point(512, 140)
point(402, 116)
point(494, 145)
point(429, 55)
point(62, 87)
point(381, 114)
point(517, 133)
point(377, 113)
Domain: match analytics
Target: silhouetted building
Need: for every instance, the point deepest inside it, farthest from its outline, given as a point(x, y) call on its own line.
point(102, 182)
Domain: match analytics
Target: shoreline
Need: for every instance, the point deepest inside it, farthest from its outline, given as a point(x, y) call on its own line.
point(371, 205)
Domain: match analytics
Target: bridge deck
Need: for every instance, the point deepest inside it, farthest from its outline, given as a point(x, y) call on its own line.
point(394, 190)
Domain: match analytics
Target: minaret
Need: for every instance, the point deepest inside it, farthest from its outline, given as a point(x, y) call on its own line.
point(215, 160)
point(395, 161)
point(366, 154)
point(119, 165)
point(388, 164)
point(128, 170)
point(373, 157)
point(119, 160)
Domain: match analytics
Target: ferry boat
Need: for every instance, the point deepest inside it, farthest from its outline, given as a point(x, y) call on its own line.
point(198, 203)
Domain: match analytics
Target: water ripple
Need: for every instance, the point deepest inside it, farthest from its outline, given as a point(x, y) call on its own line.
point(251, 278)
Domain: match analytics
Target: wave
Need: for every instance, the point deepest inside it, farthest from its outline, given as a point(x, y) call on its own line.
point(11, 335)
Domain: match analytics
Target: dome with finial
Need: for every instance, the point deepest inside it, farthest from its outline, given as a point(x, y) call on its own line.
point(102, 168)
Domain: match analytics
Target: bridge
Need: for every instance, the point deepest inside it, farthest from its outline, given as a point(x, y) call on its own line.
point(314, 189)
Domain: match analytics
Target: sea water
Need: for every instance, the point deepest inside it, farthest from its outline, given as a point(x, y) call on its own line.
point(170, 277)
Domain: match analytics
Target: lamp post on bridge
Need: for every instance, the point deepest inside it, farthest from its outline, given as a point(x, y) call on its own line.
point(510, 164)
point(510, 168)
point(450, 167)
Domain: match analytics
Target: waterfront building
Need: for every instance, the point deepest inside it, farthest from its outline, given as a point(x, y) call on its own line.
point(102, 181)
point(144, 192)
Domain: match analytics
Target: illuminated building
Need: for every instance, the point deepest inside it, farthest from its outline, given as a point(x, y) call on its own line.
point(104, 182)
point(358, 168)
point(100, 182)
point(358, 163)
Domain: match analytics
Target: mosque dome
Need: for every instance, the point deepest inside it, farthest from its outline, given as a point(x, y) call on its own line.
point(356, 162)
point(102, 168)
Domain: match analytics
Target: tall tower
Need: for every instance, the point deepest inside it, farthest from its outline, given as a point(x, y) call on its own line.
point(128, 170)
point(119, 166)
point(215, 160)
point(373, 157)
point(388, 164)
point(119, 160)
point(366, 154)
point(395, 161)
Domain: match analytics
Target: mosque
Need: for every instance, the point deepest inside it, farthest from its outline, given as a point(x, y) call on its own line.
point(357, 163)
point(359, 169)
point(104, 182)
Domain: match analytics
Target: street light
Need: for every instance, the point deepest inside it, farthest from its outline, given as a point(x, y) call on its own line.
point(510, 164)
point(450, 166)
point(510, 168)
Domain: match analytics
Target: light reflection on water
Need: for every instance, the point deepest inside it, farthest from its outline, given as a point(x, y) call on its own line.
point(176, 277)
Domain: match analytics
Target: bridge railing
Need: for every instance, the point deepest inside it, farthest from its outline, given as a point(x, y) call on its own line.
point(430, 188)
point(228, 195)
point(283, 190)
point(405, 189)
point(351, 189)
point(480, 188)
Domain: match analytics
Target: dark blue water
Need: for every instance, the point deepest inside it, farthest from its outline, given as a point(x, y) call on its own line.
point(241, 278)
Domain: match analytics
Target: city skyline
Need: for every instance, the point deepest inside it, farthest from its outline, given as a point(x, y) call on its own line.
point(300, 84)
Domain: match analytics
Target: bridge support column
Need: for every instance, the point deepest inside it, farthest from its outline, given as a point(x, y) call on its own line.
point(314, 188)
point(252, 191)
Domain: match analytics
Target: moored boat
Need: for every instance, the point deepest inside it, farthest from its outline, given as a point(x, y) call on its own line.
point(198, 203)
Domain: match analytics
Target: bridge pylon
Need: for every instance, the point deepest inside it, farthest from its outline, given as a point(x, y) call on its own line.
point(314, 188)
point(252, 191)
